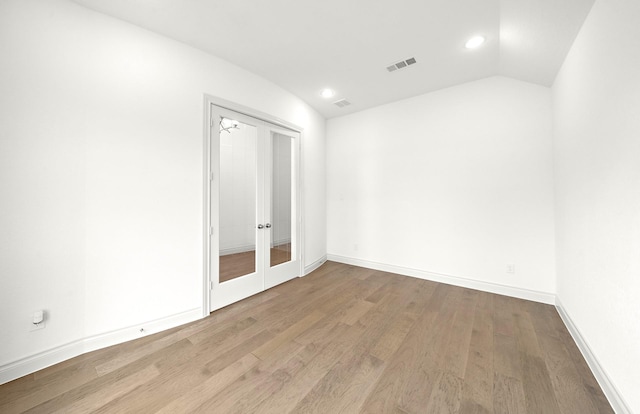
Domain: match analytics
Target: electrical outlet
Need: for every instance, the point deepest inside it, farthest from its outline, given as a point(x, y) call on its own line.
point(37, 326)
point(511, 268)
point(37, 321)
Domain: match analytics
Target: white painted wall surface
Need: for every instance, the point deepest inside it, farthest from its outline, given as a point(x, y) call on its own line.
point(456, 182)
point(238, 189)
point(596, 100)
point(101, 177)
point(238, 197)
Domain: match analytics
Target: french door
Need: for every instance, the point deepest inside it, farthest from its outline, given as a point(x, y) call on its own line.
point(253, 206)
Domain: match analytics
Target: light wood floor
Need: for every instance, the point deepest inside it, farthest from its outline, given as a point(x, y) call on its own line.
point(240, 264)
point(341, 340)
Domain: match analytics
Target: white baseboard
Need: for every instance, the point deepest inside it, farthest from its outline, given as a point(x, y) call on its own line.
point(238, 249)
point(613, 395)
point(250, 247)
point(533, 295)
point(280, 242)
point(313, 266)
point(44, 359)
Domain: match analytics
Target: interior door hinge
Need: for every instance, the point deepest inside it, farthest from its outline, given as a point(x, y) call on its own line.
point(211, 177)
point(211, 285)
point(210, 231)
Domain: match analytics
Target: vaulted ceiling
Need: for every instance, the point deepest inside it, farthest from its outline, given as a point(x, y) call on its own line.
point(347, 45)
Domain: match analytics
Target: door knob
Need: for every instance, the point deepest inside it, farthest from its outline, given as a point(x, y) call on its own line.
point(268, 225)
point(260, 226)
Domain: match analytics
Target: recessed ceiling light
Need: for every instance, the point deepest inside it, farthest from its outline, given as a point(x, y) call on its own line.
point(327, 93)
point(474, 42)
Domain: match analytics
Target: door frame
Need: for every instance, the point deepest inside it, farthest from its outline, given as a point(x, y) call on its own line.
point(209, 101)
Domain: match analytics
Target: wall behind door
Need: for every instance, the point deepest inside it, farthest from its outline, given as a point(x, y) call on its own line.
point(237, 195)
point(238, 199)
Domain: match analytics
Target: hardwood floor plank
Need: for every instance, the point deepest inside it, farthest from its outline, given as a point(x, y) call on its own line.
point(245, 308)
point(226, 358)
point(39, 392)
point(359, 289)
point(342, 339)
point(536, 381)
point(503, 317)
point(126, 358)
point(403, 384)
point(220, 331)
point(61, 377)
point(506, 359)
point(445, 397)
point(581, 381)
point(288, 334)
point(508, 395)
point(194, 367)
point(89, 404)
point(526, 336)
point(538, 389)
point(195, 397)
point(372, 315)
point(282, 389)
point(320, 357)
point(433, 339)
point(567, 385)
point(389, 285)
point(344, 387)
point(393, 338)
point(355, 311)
point(287, 312)
point(477, 391)
point(589, 382)
point(87, 389)
point(293, 358)
point(457, 350)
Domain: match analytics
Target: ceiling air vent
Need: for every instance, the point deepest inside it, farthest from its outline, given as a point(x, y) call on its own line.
point(342, 103)
point(402, 64)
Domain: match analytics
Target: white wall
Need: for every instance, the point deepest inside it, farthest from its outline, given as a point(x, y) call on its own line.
point(238, 197)
point(457, 182)
point(596, 100)
point(238, 189)
point(101, 178)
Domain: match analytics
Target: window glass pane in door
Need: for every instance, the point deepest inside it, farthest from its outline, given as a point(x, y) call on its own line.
point(282, 226)
point(238, 199)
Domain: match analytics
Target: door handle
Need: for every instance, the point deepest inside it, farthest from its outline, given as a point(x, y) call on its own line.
point(260, 226)
point(268, 225)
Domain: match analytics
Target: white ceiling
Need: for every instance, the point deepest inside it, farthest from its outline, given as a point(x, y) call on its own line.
point(306, 45)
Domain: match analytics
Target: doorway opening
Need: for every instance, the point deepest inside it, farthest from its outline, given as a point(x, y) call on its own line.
point(252, 204)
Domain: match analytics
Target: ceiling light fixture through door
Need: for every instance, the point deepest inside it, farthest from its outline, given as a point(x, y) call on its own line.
point(227, 125)
point(327, 93)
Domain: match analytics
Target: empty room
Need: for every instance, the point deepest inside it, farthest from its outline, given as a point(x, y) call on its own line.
point(319, 206)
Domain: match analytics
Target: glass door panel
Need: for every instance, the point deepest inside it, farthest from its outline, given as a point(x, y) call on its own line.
point(281, 206)
point(281, 199)
point(253, 211)
point(238, 199)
